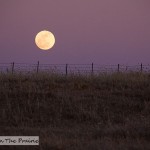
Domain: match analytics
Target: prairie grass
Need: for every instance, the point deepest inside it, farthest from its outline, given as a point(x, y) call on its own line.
point(77, 112)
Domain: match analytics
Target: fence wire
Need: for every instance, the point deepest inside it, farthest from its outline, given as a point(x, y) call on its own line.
point(71, 68)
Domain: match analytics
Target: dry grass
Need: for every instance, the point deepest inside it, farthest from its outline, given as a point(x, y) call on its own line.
point(107, 111)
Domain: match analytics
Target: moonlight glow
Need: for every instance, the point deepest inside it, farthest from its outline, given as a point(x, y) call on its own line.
point(45, 40)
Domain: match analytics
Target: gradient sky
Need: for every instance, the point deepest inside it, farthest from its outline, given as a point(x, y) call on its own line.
point(98, 31)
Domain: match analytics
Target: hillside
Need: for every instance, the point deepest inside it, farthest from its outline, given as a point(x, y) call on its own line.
point(74, 112)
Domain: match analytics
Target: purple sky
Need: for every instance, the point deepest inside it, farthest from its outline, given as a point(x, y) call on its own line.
point(86, 31)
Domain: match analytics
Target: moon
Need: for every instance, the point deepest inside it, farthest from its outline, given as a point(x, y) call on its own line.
point(45, 40)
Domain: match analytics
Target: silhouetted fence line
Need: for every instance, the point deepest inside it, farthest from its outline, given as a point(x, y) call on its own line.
point(71, 68)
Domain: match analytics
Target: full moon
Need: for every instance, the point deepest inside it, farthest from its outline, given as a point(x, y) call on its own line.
point(45, 40)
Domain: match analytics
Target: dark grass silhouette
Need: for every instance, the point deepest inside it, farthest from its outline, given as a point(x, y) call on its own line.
point(106, 111)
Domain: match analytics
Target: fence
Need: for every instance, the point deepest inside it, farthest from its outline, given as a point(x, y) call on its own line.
point(70, 68)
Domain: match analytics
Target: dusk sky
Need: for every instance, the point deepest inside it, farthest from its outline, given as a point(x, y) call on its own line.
point(86, 31)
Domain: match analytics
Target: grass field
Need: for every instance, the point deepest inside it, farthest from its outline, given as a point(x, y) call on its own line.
point(103, 112)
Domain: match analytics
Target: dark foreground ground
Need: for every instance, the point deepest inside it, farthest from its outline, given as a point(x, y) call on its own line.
point(105, 112)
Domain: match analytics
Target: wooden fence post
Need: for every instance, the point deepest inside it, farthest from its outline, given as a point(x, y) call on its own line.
point(13, 65)
point(66, 69)
point(37, 67)
point(118, 67)
point(141, 67)
point(92, 68)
